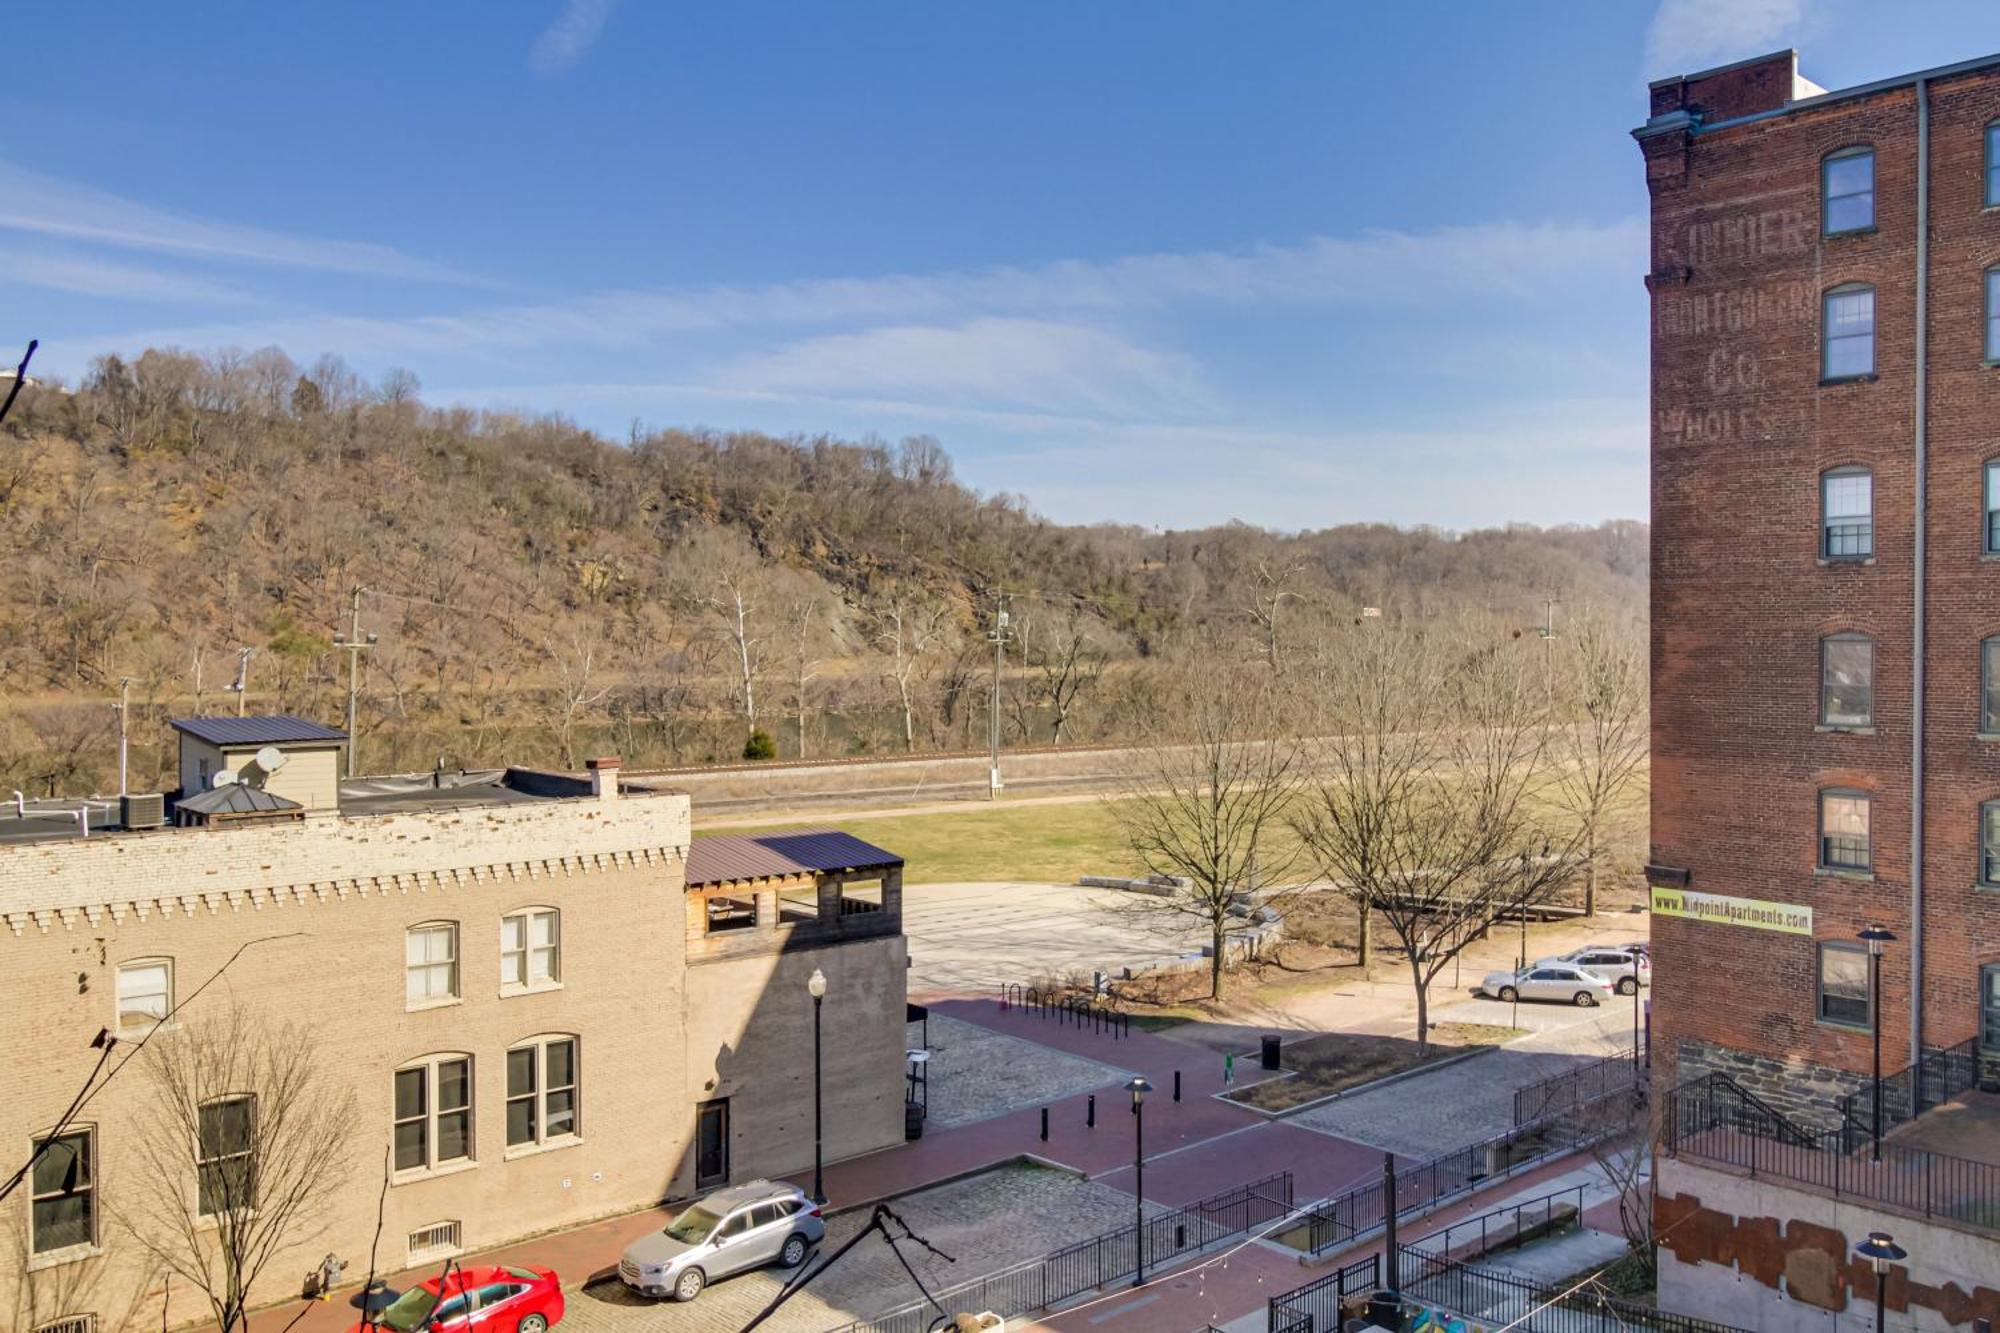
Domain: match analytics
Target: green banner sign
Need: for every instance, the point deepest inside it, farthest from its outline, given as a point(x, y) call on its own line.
point(1791, 918)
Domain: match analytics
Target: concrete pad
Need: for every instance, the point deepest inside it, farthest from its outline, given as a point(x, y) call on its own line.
point(971, 939)
point(977, 1073)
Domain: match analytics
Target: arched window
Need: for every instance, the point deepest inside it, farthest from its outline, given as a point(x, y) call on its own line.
point(1847, 191)
point(1847, 332)
point(433, 1112)
point(1847, 513)
point(1847, 680)
point(530, 949)
point(1844, 841)
point(1993, 165)
point(1989, 687)
point(430, 963)
point(544, 1091)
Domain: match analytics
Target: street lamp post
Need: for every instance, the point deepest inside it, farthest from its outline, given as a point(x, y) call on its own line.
point(1880, 1252)
point(1139, 1087)
point(1875, 937)
point(816, 987)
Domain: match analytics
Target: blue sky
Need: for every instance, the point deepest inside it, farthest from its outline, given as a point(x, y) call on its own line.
point(1140, 260)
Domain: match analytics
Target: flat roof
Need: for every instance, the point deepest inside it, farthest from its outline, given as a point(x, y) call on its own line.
point(1829, 97)
point(268, 729)
point(726, 857)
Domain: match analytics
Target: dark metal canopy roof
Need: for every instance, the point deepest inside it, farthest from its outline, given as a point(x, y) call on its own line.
point(236, 798)
point(271, 729)
point(727, 857)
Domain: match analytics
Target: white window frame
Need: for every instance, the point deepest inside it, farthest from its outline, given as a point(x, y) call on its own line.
point(1827, 337)
point(536, 1096)
point(430, 966)
point(519, 959)
point(433, 1111)
point(166, 996)
point(88, 1188)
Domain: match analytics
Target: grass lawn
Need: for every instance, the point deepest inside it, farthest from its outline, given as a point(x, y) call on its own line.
point(1041, 843)
point(1336, 1061)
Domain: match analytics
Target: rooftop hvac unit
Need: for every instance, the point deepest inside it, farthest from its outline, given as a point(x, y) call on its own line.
point(143, 810)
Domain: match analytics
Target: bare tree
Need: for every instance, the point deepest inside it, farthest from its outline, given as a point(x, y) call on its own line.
point(909, 632)
point(246, 1147)
point(1206, 801)
point(1433, 743)
point(1601, 739)
point(1069, 659)
point(574, 660)
point(1270, 589)
point(802, 619)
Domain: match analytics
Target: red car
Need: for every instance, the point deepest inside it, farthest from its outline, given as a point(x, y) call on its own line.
point(476, 1300)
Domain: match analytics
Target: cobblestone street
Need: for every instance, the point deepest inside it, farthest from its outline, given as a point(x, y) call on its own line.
point(986, 1223)
point(977, 1073)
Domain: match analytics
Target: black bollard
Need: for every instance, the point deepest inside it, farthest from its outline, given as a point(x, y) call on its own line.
point(1177, 1085)
point(1045, 1124)
point(1090, 1112)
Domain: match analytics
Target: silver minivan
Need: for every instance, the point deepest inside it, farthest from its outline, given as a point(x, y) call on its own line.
point(731, 1231)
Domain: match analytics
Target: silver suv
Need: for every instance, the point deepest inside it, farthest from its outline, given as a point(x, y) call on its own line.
point(1626, 968)
point(731, 1231)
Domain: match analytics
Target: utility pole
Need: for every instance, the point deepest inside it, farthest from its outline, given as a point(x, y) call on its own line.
point(242, 685)
point(998, 635)
point(355, 645)
point(124, 703)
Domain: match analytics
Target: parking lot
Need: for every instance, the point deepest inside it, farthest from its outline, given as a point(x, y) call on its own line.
point(986, 1222)
point(973, 938)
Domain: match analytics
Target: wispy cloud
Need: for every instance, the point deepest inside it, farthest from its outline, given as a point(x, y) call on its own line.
point(1687, 35)
point(42, 205)
point(111, 281)
point(575, 31)
point(1457, 264)
point(1009, 363)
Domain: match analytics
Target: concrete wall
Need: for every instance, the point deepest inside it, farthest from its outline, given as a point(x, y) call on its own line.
point(1757, 1254)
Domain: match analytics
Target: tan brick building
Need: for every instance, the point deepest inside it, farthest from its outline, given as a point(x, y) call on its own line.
point(1825, 280)
point(508, 971)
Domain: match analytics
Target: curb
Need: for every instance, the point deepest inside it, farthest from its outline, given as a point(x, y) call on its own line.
point(1370, 1086)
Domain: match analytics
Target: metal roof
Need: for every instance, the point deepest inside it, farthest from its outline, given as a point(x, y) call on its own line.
point(726, 857)
point(270, 729)
point(237, 798)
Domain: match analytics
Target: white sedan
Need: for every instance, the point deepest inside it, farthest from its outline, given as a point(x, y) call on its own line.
point(1548, 981)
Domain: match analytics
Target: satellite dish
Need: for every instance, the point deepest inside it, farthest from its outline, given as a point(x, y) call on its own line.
point(270, 759)
point(228, 777)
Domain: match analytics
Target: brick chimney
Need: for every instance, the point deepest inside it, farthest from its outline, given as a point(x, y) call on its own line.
point(604, 776)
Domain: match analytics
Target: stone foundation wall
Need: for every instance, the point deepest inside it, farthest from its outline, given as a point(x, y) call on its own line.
point(1807, 1094)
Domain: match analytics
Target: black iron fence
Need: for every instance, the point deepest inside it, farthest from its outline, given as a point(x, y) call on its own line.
point(1350, 1217)
point(1574, 1087)
point(1048, 1002)
point(1319, 1304)
point(1714, 1119)
point(1516, 1224)
point(1500, 1299)
point(1075, 1269)
point(1936, 1078)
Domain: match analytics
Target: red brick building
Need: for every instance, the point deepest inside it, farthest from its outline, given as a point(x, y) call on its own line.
point(1825, 280)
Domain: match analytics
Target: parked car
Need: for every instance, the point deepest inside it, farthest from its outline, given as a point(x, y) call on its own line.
point(1625, 967)
point(508, 1299)
point(730, 1231)
point(1548, 981)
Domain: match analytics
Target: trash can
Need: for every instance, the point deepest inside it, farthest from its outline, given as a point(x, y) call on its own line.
point(1385, 1310)
point(913, 1121)
point(1270, 1052)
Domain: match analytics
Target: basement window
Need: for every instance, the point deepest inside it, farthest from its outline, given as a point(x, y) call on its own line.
point(1847, 188)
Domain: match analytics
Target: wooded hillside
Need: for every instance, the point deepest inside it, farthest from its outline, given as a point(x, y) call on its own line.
point(540, 592)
